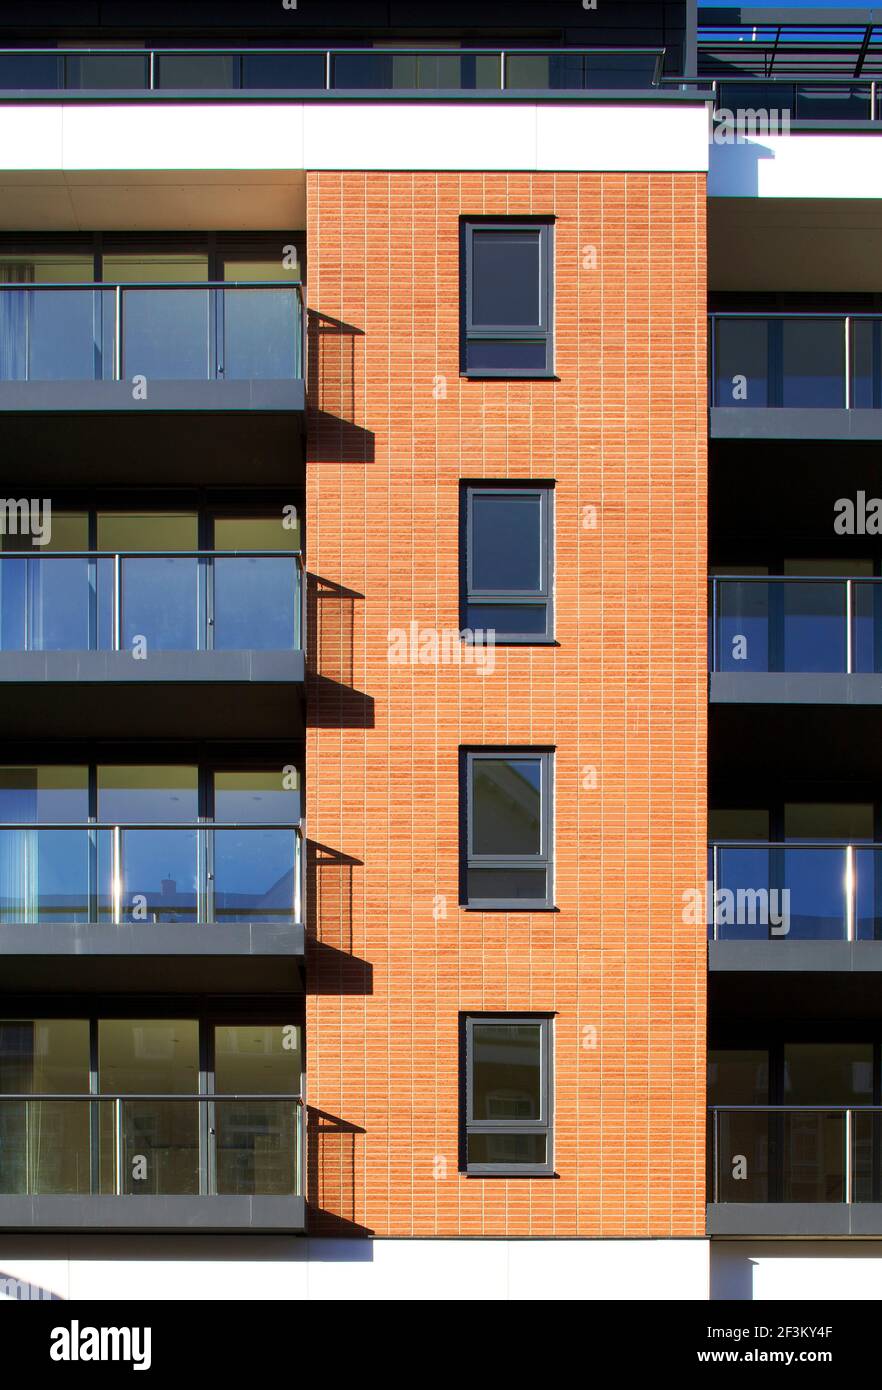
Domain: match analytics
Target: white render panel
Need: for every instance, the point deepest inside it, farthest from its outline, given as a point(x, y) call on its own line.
point(755, 1270)
point(798, 166)
point(133, 136)
point(290, 1268)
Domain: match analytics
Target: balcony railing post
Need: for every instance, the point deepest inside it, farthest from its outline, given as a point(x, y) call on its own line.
point(714, 620)
point(502, 70)
point(117, 600)
point(849, 1156)
point(117, 334)
point(872, 101)
point(715, 1135)
point(713, 355)
point(151, 70)
point(116, 869)
point(849, 625)
point(847, 362)
point(328, 70)
point(850, 891)
point(118, 1164)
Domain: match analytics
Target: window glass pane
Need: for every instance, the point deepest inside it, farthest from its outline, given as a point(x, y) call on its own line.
point(154, 267)
point(44, 1055)
point(46, 268)
point(257, 1146)
point(504, 356)
point(46, 793)
point(257, 1058)
point(738, 1077)
point(251, 267)
point(507, 1148)
point(258, 796)
point(257, 532)
point(138, 793)
point(166, 335)
point(741, 823)
point(805, 820)
point(197, 71)
point(506, 542)
point(158, 1144)
point(813, 362)
point(742, 362)
point(507, 806)
point(159, 875)
point(506, 268)
point(498, 885)
point(137, 1055)
point(509, 619)
point(44, 1147)
point(506, 1071)
point(255, 874)
point(148, 531)
point(256, 603)
point(828, 1073)
point(282, 71)
point(107, 72)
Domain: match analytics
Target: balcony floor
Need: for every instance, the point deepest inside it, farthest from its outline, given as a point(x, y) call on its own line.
point(794, 1219)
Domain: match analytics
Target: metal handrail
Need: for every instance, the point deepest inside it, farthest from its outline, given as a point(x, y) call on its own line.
point(296, 826)
point(777, 1109)
point(849, 885)
point(847, 319)
point(832, 843)
point(155, 555)
point(848, 616)
point(158, 285)
point(296, 1097)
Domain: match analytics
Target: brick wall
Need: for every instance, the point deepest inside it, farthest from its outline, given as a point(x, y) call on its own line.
point(623, 429)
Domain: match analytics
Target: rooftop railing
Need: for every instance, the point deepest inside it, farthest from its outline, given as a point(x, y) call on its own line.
point(795, 1153)
point(806, 360)
point(795, 891)
point(149, 872)
point(806, 99)
point(769, 623)
point(151, 601)
point(190, 331)
point(230, 71)
point(114, 1144)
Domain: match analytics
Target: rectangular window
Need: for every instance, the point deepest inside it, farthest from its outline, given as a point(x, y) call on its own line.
point(507, 300)
point(508, 832)
point(508, 563)
point(508, 1095)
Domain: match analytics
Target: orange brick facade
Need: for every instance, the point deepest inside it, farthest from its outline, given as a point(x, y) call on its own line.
point(393, 429)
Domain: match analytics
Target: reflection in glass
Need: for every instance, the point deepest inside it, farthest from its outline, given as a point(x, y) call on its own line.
point(253, 1058)
point(255, 875)
point(260, 334)
point(506, 806)
point(46, 875)
point(159, 875)
point(813, 354)
point(506, 289)
point(256, 603)
point(506, 1071)
point(159, 603)
point(506, 542)
point(166, 334)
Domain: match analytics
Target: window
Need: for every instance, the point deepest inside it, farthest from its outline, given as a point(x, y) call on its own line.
point(507, 308)
point(507, 563)
point(508, 829)
point(508, 1095)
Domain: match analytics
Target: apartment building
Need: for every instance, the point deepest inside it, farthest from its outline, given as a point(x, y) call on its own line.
point(392, 903)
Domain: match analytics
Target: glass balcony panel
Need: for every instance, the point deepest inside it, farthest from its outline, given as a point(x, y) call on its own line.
point(31, 72)
point(217, 72)
point(742, 625)
point(159, 875)
point(45, 604)
point(813, 1156)
point(261, 334)
point(868, 893)
point(150, 792)
point(743, 1141)
point(255, 874)
point(813, 362)
point(866, 626)
point(44, 1148)
point(54, 335)
point(814, 621)
point(166, 334)
point(372, 71)
point(866, 364)
point(257, 1147)
point(283, 71)
point(817, 882)
point(149, 1147)
point(96, 72)
point(817, 102)
point(45, 875)
point(44, 1055)
point(866, 1142)
point(256, 603)
point(742, 363)
point(160, 603)
point(742, 900)
point(756, 104)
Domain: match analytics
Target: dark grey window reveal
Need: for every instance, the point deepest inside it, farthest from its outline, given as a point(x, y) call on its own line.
point(508, 832)
point(507, 309)
point(508, 1101)
point(508, 563)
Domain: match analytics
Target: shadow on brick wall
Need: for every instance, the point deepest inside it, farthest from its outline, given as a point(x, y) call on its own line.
point(335, 435)
point(332, 702)
point(331, 1151)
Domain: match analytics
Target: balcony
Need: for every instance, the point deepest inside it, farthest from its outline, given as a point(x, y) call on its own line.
point(795, 1170)
point(795, 376)
point(777, 104)
point(781, 640)
point(143, 642)
point(147, 1162)
point(202, 381)
point(112, 905)
point(273, 73)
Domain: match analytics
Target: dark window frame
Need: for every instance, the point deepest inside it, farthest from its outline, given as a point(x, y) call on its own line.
point(543, 596)
point(544, 860)
point(543, 332)
point(543, 1125)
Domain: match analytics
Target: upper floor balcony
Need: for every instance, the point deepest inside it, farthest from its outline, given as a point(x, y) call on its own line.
point(795, 376)
point(211, 73)
point(102, 643)
point(195, 376)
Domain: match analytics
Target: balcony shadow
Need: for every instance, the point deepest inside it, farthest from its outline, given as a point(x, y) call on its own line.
point(332, 967)
point(334, 433)
point(330, 1167)
point(331, 700)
